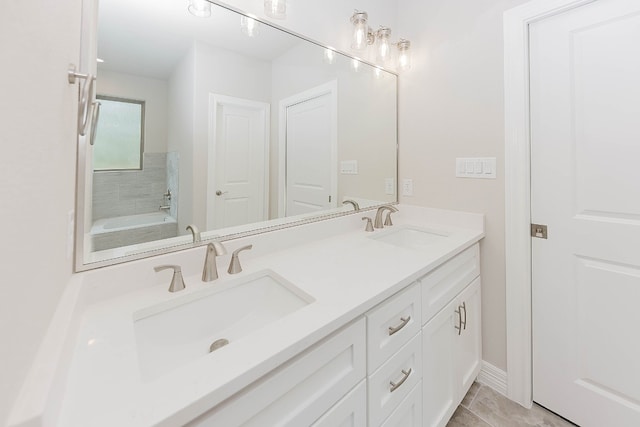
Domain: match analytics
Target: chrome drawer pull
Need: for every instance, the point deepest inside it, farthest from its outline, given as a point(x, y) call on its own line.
point(405, 320)
point(459, 325)
point(395, 386)
point(464, 322)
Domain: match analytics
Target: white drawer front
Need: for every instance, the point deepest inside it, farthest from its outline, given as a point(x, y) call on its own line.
point(409, 412)
point(404, 369)
point(391, 325)
point(445, 282)
point(300, 391)
point(350, 411)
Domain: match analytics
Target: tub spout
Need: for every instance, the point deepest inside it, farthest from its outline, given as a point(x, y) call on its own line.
point(194, 232)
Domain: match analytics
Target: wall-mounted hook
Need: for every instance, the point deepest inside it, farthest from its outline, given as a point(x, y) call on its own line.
point(85, 105)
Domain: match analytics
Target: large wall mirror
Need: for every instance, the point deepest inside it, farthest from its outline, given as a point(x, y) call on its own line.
point(246, 127)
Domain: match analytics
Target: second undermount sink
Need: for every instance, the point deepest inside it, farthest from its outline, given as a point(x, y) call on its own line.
point(174, 333)
point(410, 237)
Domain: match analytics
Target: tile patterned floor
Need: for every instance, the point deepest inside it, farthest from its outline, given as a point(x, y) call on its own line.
point(484, 407)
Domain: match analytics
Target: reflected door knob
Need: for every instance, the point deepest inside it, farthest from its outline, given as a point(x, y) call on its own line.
point(220, 193)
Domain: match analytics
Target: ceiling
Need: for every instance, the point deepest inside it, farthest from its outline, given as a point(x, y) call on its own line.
point(149, 37)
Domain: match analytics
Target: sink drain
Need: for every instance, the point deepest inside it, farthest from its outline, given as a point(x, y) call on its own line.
point(217, 344)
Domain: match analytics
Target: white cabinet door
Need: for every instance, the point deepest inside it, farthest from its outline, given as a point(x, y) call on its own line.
point(439, 378)
point(452, 355)
point(351, 411)
point(469, 340)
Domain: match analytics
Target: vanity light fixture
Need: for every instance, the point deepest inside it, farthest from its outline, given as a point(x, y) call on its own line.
point(363, 37)
point(362, 34)
point(249, 26)
point(200, 8)
point(275, 8)
point(404, 55)
point(383, 45)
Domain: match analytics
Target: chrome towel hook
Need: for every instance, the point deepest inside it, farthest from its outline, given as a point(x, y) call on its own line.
point(85, 104)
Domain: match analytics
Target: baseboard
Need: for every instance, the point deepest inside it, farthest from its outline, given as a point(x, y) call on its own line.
point(493, 377)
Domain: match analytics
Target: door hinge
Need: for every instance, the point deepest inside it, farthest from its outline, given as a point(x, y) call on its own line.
point(329, 199)
point(539, 231)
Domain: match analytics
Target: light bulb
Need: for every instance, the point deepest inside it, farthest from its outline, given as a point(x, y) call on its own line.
point(200, 8)
point(360, 30)
point(275, 8)
point(383, 48)
point(404, 55)
point(249, 26)
point(329, 56)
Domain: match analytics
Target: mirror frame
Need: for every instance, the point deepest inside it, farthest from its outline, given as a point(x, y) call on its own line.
point(208, 235)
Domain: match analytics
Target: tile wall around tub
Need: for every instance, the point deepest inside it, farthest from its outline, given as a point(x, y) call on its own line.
point(131, 192)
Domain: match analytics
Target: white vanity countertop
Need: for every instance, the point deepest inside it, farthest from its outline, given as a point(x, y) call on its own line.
point(346, 274)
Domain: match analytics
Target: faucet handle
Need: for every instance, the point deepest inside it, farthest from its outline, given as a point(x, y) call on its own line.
point(387, 220)
point(177, 282)
point(234, 265)
point(369, 226)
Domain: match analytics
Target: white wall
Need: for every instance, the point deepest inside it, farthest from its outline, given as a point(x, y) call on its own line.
point(451, 105)
point(180, 99)
point(38, 107)
point(141, 88)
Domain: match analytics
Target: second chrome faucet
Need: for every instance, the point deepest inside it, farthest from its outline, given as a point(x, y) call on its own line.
point(210, 269)
point(215, 249)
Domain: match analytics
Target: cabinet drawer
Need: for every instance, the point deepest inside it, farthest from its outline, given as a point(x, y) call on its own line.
point(409, 412)
point(404, 369)
point(300, 391)
point(445, 282)
point(391, 324)
point(350, 411)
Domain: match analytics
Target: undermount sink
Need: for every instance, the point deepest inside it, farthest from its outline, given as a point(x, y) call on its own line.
point(172, 334)
point(409, 237)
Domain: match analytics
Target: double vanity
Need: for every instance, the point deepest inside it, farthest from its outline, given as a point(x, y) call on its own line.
point(326, 325)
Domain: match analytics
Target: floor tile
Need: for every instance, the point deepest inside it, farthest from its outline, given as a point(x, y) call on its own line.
point(499, 411)
point(465, 418)
point(471, 394)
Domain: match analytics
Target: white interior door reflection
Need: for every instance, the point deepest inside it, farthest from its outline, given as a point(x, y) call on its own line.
point(237, 188)
point(309, 168)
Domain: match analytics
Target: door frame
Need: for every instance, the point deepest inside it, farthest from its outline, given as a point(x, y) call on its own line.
point(216, 100)
point(518, 191)
point(330, 88)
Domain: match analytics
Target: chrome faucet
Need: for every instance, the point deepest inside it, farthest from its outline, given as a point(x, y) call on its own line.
point(210, 270)
point(177, 283)
point(194, 232)
point(378, 221)
point(356, 206)
point(234, 265)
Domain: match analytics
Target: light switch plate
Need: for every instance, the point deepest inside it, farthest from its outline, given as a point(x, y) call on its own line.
point(389, 187)
point(476, 167)
point(349, 167)
point(407, 187)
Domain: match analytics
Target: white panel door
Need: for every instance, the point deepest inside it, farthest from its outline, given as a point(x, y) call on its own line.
point(309, 157)
point(585, 127)
point(237, 194)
